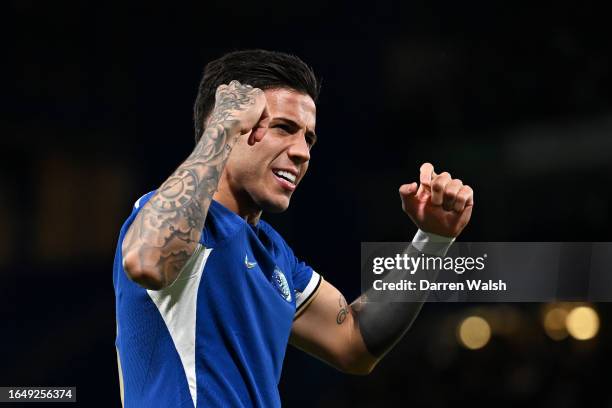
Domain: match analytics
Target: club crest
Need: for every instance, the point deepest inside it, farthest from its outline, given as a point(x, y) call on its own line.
point(280, 281)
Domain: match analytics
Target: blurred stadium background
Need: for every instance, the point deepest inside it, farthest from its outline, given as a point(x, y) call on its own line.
point(516, 99)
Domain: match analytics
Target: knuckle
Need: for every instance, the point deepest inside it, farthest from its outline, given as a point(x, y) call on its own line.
point(453, 187)
point(437, 186)
point(221, 89)
point(467, 197)
point(449, 193)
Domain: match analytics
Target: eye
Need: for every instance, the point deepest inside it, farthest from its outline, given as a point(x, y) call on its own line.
point(283, 127)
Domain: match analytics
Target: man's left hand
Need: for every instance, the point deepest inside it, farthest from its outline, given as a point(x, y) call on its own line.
point(439, 204)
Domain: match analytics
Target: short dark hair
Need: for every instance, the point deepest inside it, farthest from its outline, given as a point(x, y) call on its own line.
point(258, 68)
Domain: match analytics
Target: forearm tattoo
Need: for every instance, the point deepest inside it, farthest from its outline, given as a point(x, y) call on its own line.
point(167, 229)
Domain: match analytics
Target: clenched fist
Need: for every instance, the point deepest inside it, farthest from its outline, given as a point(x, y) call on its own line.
point(241, 108)
point(439, 204)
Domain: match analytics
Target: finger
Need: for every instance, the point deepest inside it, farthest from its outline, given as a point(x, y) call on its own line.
point(470, 200)
point(465, 198)
point(257, 134)
point(261, 127)
point(438, 184)
point(221, 89)
point(450, 194)
point(427, 171)
point(406, 190)
point(251, 138)
point(257, 93)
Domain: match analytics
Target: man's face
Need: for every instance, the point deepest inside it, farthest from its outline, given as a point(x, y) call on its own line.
point(267, 173)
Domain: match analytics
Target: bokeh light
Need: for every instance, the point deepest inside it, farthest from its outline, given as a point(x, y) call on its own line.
point(554, 323)
point(582, 323)
point(474, 332)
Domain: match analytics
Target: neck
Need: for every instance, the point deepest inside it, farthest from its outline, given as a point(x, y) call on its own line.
point(240, 203)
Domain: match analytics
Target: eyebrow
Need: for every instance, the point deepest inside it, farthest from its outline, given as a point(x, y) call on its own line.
point(293, 123)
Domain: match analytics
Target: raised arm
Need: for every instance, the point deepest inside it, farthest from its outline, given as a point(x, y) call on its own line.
point(166, 231)
point(353, 338)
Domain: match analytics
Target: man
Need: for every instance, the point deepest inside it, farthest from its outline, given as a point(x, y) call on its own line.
point(208, 295)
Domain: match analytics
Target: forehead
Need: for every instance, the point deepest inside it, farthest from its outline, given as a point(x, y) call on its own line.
point(292, 105)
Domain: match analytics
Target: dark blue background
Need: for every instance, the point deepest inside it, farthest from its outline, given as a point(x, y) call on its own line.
point(513, 99)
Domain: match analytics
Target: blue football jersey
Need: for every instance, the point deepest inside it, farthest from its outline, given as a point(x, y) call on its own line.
point(217, 336)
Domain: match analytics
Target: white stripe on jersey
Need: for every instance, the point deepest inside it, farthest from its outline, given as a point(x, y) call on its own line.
point(177, 306)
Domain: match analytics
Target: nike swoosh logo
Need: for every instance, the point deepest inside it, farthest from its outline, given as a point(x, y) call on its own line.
point(248, 264)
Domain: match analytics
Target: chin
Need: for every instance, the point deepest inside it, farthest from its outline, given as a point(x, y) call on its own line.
point(274, 205)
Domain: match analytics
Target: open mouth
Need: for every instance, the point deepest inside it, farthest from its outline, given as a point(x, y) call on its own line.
point(286, 178)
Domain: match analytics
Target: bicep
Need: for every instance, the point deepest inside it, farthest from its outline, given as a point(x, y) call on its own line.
point(328, 329)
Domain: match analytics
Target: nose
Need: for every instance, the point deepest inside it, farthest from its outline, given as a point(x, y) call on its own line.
point(298, 150)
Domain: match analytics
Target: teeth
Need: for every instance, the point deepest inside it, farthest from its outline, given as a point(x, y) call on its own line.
point(287, 175)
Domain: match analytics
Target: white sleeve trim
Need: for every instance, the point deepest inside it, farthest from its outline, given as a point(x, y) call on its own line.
point(301, 298)
point(432, 244)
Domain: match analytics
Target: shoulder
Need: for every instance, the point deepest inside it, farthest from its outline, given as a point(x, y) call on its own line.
point(221, 225)
point(274, 235)
point(268, 229)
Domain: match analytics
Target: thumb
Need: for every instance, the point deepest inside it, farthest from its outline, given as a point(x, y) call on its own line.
point(408, 195)
point(407, 190)
point(257, 134)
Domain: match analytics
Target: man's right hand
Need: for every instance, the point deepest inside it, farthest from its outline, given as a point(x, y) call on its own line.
point(241, 108)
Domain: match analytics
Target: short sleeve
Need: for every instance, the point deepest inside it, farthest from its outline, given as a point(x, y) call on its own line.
point(306, 282)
